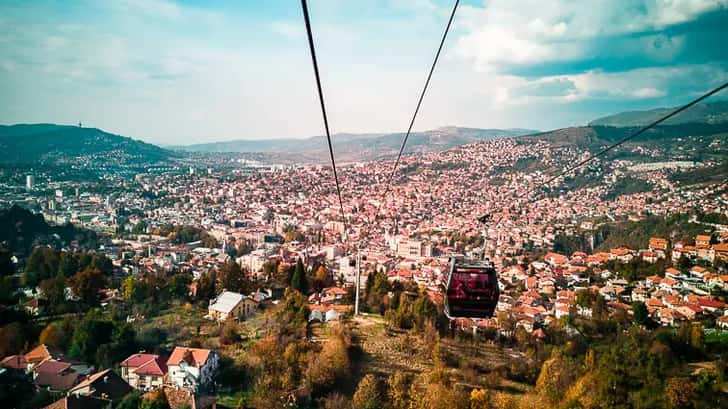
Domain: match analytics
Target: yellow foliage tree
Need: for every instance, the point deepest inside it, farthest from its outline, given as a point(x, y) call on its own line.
point(679, 392)
point(397, 392)
point(51, 335)
point(479, 399)
point(367, 395)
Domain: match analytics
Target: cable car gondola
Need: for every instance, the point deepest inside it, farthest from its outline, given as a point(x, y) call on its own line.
point(472, 289)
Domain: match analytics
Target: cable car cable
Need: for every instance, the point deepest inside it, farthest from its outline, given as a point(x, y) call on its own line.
point(487, 218)
point(629, 137)
point(419, 102)
point(304, 6)
point(388, 183)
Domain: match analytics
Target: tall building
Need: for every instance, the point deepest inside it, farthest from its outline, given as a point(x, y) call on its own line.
point(29, 181)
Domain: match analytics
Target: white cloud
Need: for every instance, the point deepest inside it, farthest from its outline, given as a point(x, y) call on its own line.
point(506, 32)
point(644, 83)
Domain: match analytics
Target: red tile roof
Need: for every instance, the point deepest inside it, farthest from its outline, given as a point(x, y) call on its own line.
point(14, 361)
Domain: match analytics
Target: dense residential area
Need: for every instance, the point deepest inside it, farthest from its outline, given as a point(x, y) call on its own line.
point(234, 286)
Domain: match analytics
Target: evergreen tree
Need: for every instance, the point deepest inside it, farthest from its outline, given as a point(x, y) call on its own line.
point(299, 281)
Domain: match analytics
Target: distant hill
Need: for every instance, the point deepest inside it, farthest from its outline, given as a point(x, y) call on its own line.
point(20, 229)
point(708, 113)
point(349, 147)
point(49, 143)
point(696, 142)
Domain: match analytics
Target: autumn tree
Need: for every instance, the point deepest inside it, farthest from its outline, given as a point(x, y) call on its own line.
point(557, 373)
point(697, 339)
point(228, 334)
point(322, 278)
point(679, 393)
point(368, 394)
point(398, 385)
point(479, 399)
point(52, 335)
point(86, 285)
point(13, 337)
point(332, 363)
point(335, 401)
point(155, 400)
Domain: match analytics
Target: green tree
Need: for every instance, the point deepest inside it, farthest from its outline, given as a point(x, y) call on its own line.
point(232, 278)
point(179, 285)
point(206, 286)
point(42, 263)
point(299, 280)
point(54, 291)
point(6, 265)
point(90, 333)
point(641, 315)
point(68, 264)
point(131, 401)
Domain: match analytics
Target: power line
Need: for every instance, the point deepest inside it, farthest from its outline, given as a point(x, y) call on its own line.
point(419, 103)
point(631, 136)
point(304, 6)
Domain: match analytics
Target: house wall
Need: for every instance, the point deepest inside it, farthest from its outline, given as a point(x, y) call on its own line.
point(203, 376)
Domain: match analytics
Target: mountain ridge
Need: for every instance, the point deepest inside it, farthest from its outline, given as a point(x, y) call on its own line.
point(449, 136)
point(31, 143)
point(709, 112)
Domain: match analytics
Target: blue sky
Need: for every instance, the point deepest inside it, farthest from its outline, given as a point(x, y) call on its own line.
point(198, 71)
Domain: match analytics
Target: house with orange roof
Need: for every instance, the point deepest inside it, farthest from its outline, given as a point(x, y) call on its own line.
point(702, 240)
point(144, 371)
point(555, 259)
point(623, 254)
point(192, 368)
point(650, 256)
point(40, 354)
point(721, 250)
point(658, 244)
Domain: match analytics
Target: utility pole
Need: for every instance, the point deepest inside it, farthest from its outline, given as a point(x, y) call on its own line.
point(356, 284)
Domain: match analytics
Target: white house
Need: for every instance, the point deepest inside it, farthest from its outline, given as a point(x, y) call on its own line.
point(230, 305)
point(192, 368)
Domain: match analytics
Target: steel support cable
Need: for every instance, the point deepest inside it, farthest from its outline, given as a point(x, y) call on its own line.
point(311, 46)
point(486, 218)
point(419, 101)
point(417, 110)
point(627, 138)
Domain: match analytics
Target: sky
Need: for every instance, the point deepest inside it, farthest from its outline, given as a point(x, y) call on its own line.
point(184, 72)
